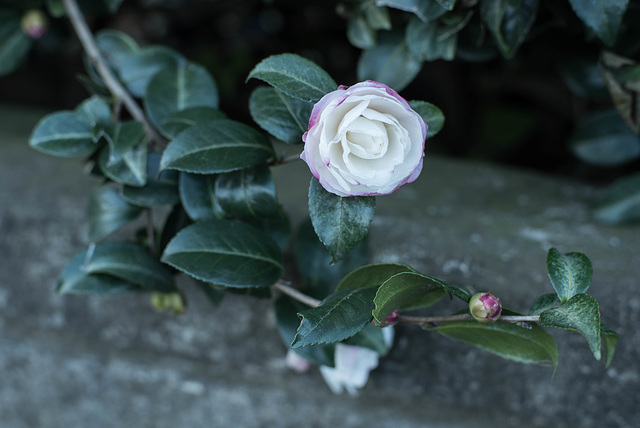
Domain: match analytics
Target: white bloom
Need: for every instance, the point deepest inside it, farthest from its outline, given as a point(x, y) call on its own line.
point(364, 140)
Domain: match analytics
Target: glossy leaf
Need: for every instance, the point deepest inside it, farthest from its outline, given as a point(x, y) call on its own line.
point(604, 139)
point(197, 193)
point(429, 41)
point(609, 340)
point(75, 279)
point(227, 253)
point(116, 47)
point(339, 316)
point(602, 16)
point(580, 314)
point(14, 43)
point(161, 188)
point(426, 10)
point(94, 111)
point(277, 226)
point(63, 134)
point(179, 121)
point(570, 273)
point(507, 340)
point(215, 147)
point(174, 89)
point(360, 34)
point(283, 117)
point(130, 169)
point(431, 114)
point(370, 337)
point(108, 212)
point(247, 193)
point(295, 76)
point(174, 223)
point(287, 320)
point(377, 17)
point(340, 223)
point(620, 202)
point(390, 62)
point(136, 70)
point(447, 4)
point(372, 275)
point(509, 22)
point(543, 303)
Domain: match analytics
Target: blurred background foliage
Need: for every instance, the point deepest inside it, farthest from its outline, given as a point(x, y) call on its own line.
point(533, 90)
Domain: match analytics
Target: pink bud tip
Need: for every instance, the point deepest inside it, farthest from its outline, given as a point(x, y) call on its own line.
point(34, 23)
point(485, 307)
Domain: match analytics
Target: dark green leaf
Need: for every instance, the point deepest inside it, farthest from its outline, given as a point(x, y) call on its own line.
point(14, 43)
point(295, 76)
point(55, 8)
point(390, 62)
point(340, 223)
point(129, 262)
point(509, 22)
point(543, 303)
point(113, 5)
point(130, 169)
point(431, 114)
point(621, 76)
point(602, 16)
point(581, 314)
point(278, 226)
point(214, 295)
point(227, 253)
point(620, 202)
point(372, 275)
point(377, 17)
point(161, 187)
point(426, 10)
point(371, 338)
point(507, 340)
point(181, 120)
point(339, 316)
point(447, 4)
point(178, 88)
point(360, 34)
point(95, 111)
point(197, 193)
point(215, 147)
point(122, 138)
point(604, 139)
point(287, 319)
point(175, 222)
point(108, 212)
point(63, 134)
point(570, 273)
point(584, 78)
point(75, 279)
point(116, 47)
point(283, 117)
point(247, 193)
point(429, 41)
point(138, 68)
point(609, 340)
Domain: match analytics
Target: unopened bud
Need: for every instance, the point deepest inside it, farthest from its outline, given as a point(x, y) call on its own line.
point(34, 23)
point(485, 307)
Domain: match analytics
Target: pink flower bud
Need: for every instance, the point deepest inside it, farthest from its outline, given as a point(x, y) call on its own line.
point(34, 23)
point(485, 307)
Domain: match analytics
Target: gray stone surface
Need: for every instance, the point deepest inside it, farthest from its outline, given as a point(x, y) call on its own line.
point(80, 361)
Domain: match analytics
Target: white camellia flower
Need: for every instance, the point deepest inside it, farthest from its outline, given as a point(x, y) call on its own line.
point(364, 140)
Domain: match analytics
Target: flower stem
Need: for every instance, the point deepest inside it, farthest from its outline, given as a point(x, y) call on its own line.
point(117, 90)
point(301, 297)
point(286, 159)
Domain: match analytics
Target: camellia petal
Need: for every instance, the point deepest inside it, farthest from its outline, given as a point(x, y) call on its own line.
point(364, 140)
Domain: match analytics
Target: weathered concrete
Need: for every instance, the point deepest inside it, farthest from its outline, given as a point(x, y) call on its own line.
point(87, 361)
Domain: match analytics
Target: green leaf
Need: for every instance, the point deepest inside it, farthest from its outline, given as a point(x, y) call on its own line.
point(129, 262)
point(604, 139)
point(426, 10)
point(429, 41)
point(370, 337)
point(602, 16)
point(214, 295)
point(55, 8)
point(339, 316)
point(137, 69)
point(506, 340)
point(570, 273)
point(412, 290)
point(277, 226)
point(390, 62)
point(181, 120)
point(377, 17)
point(295, 76)
point(14, 43)
point(96, 112)
point(340, 223)
point(178, 88)
point(174, 223)
point(447, 4)
point(431, 114)
point(360, 34)
point(63, 134)
point(622, 78)
point(609, 340)
point(287, 320)
point(227, 253)
point(75, 279)
point(620, 202)
point(583, 77)
point(509, 22)
point(161, 188)
point(122, 138)
point(247, 193)
point(108, 212)
point(543, 303)
point(116, 47)
point(580, 314)
point(219, 146)
point(283, 117)
point(197, 193)
point(113, 5)
point(124, 160)
point(372, 275)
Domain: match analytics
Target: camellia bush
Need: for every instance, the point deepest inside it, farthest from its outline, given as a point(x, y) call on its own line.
point(152, 130)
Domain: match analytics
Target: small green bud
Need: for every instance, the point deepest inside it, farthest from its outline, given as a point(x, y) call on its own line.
point(169, 302)
point(485, 307)
point(34, 23)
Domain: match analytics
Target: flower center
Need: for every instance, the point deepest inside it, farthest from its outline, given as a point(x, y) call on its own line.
point(366, 138)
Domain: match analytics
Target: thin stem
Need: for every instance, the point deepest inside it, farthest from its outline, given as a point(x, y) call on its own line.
point(150, 233)
point(301, 297)
point(117, 90)
point(287, 159)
